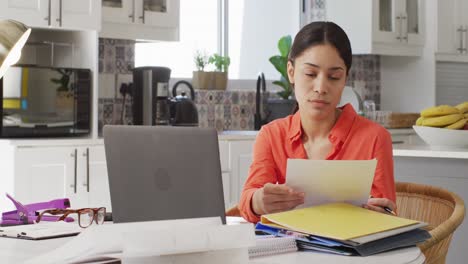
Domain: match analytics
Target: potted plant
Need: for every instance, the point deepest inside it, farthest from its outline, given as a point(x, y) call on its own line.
point(221, 74)
point(284, 105)
point(201, 78)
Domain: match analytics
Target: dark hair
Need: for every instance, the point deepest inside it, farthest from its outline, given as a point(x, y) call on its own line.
point(317, 33)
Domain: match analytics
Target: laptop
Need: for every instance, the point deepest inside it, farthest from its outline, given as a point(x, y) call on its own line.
point(163, 172)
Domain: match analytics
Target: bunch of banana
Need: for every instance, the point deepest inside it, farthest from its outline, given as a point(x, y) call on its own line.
point(445, 116)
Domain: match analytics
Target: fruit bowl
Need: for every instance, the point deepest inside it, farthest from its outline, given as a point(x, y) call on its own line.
point(442, 137)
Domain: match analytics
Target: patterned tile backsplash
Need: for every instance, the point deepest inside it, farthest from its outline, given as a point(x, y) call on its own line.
point(223, 110)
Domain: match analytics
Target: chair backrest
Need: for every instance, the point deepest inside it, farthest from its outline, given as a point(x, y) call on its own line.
point(441, 209)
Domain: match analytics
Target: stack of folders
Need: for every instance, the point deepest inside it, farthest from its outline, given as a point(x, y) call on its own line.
point(272, 245)
point(344, 229)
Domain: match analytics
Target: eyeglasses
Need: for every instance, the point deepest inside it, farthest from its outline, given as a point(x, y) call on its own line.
point(86, 216)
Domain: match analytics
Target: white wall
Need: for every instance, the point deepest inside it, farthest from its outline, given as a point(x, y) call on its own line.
point(408, 83)
point(254, 36)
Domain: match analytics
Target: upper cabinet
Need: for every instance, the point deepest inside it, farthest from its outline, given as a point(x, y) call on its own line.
point(383, 27)
point(60, 14)
point(140, 19)
point(452, 30)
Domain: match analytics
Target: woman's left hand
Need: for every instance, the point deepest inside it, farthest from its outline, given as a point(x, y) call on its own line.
point(378, 204)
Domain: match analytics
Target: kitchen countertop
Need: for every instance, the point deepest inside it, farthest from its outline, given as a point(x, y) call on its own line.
point(251, 134)
point(425, 151)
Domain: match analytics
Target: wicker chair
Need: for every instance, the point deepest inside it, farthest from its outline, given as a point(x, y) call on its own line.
point(442, 210)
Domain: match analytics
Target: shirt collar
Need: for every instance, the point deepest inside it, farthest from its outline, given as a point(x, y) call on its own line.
point(339, 131)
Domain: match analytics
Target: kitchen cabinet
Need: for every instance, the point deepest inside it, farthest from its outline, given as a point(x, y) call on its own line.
point(235, 157)
point(140, 19)
point(432, 168)
point(452, 30)
point(42, 173)
point(383, 27)
point(61, 14)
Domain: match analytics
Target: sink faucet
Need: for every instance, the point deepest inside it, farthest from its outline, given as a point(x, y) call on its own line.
point(258, 121)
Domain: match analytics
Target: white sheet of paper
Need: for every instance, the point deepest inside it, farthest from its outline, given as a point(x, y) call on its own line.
point(327, 181)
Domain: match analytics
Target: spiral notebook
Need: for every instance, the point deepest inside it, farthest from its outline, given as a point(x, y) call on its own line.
point(271, 245)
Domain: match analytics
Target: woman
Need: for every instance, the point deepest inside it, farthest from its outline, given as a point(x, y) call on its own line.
point(318, 67)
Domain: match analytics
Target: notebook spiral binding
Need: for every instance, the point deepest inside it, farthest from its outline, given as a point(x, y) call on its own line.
point(271, 245)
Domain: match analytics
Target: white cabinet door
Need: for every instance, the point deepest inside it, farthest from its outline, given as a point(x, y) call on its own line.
point(240, 153)
point(46, 173)
point(82, 14)
point(452, 30)
point(160, 13)
point(387, 22)
point(77, 173)
point(30, 12)
point(97, 181)
point(118, 11)
point(412, 21)
point(228, 202)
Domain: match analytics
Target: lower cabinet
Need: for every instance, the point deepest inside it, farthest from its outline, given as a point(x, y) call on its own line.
point(235, 157)
point(45, 173)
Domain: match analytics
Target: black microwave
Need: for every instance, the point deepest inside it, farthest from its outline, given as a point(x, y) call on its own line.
point(45, 102)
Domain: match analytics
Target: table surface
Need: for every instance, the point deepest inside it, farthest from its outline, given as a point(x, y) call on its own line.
point(407, 255)
point(19, 250)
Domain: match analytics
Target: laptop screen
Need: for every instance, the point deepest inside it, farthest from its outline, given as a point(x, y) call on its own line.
point(163, 172)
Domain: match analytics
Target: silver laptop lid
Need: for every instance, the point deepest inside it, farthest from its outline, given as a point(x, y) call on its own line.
point(160, 173)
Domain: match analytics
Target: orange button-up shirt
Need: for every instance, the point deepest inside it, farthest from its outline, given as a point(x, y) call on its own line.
point(353, 138)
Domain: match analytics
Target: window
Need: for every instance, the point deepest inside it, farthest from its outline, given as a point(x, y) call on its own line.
point(198, 31)
point(254, 28)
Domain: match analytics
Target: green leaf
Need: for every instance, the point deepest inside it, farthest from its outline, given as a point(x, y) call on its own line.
point(284, 45)
point(280, 64)
point(281, 84)
point(284, 94)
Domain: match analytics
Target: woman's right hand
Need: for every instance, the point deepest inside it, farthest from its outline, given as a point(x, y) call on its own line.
point(273, 198)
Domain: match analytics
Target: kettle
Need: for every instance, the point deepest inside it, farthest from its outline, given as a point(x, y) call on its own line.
point(183, 110)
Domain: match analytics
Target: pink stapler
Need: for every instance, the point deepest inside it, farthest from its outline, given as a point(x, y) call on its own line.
point(27, 214)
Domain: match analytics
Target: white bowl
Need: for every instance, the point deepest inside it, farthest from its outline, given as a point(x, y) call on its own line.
point(442, 137)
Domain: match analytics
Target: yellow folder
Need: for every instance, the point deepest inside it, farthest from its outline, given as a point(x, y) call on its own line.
point(339, 221)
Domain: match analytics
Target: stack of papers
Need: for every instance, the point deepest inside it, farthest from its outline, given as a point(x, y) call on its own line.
point(344, 229)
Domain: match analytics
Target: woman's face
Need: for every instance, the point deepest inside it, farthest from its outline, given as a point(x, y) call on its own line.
point(319, 77)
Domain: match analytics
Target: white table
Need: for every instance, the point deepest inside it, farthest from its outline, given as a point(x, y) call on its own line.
point(18, 250)
point(408, 255)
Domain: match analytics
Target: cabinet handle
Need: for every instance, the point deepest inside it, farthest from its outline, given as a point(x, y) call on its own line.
point(142, 17)
point(398, 18)
point(405, 26)
point(59, 19)
point(48, 18)
point(462, 31)
point(132, 16)
point(75, 156)
point(465, 30)
point(87, 169)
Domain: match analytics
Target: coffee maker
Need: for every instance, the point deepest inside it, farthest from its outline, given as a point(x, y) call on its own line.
point(151, 96)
